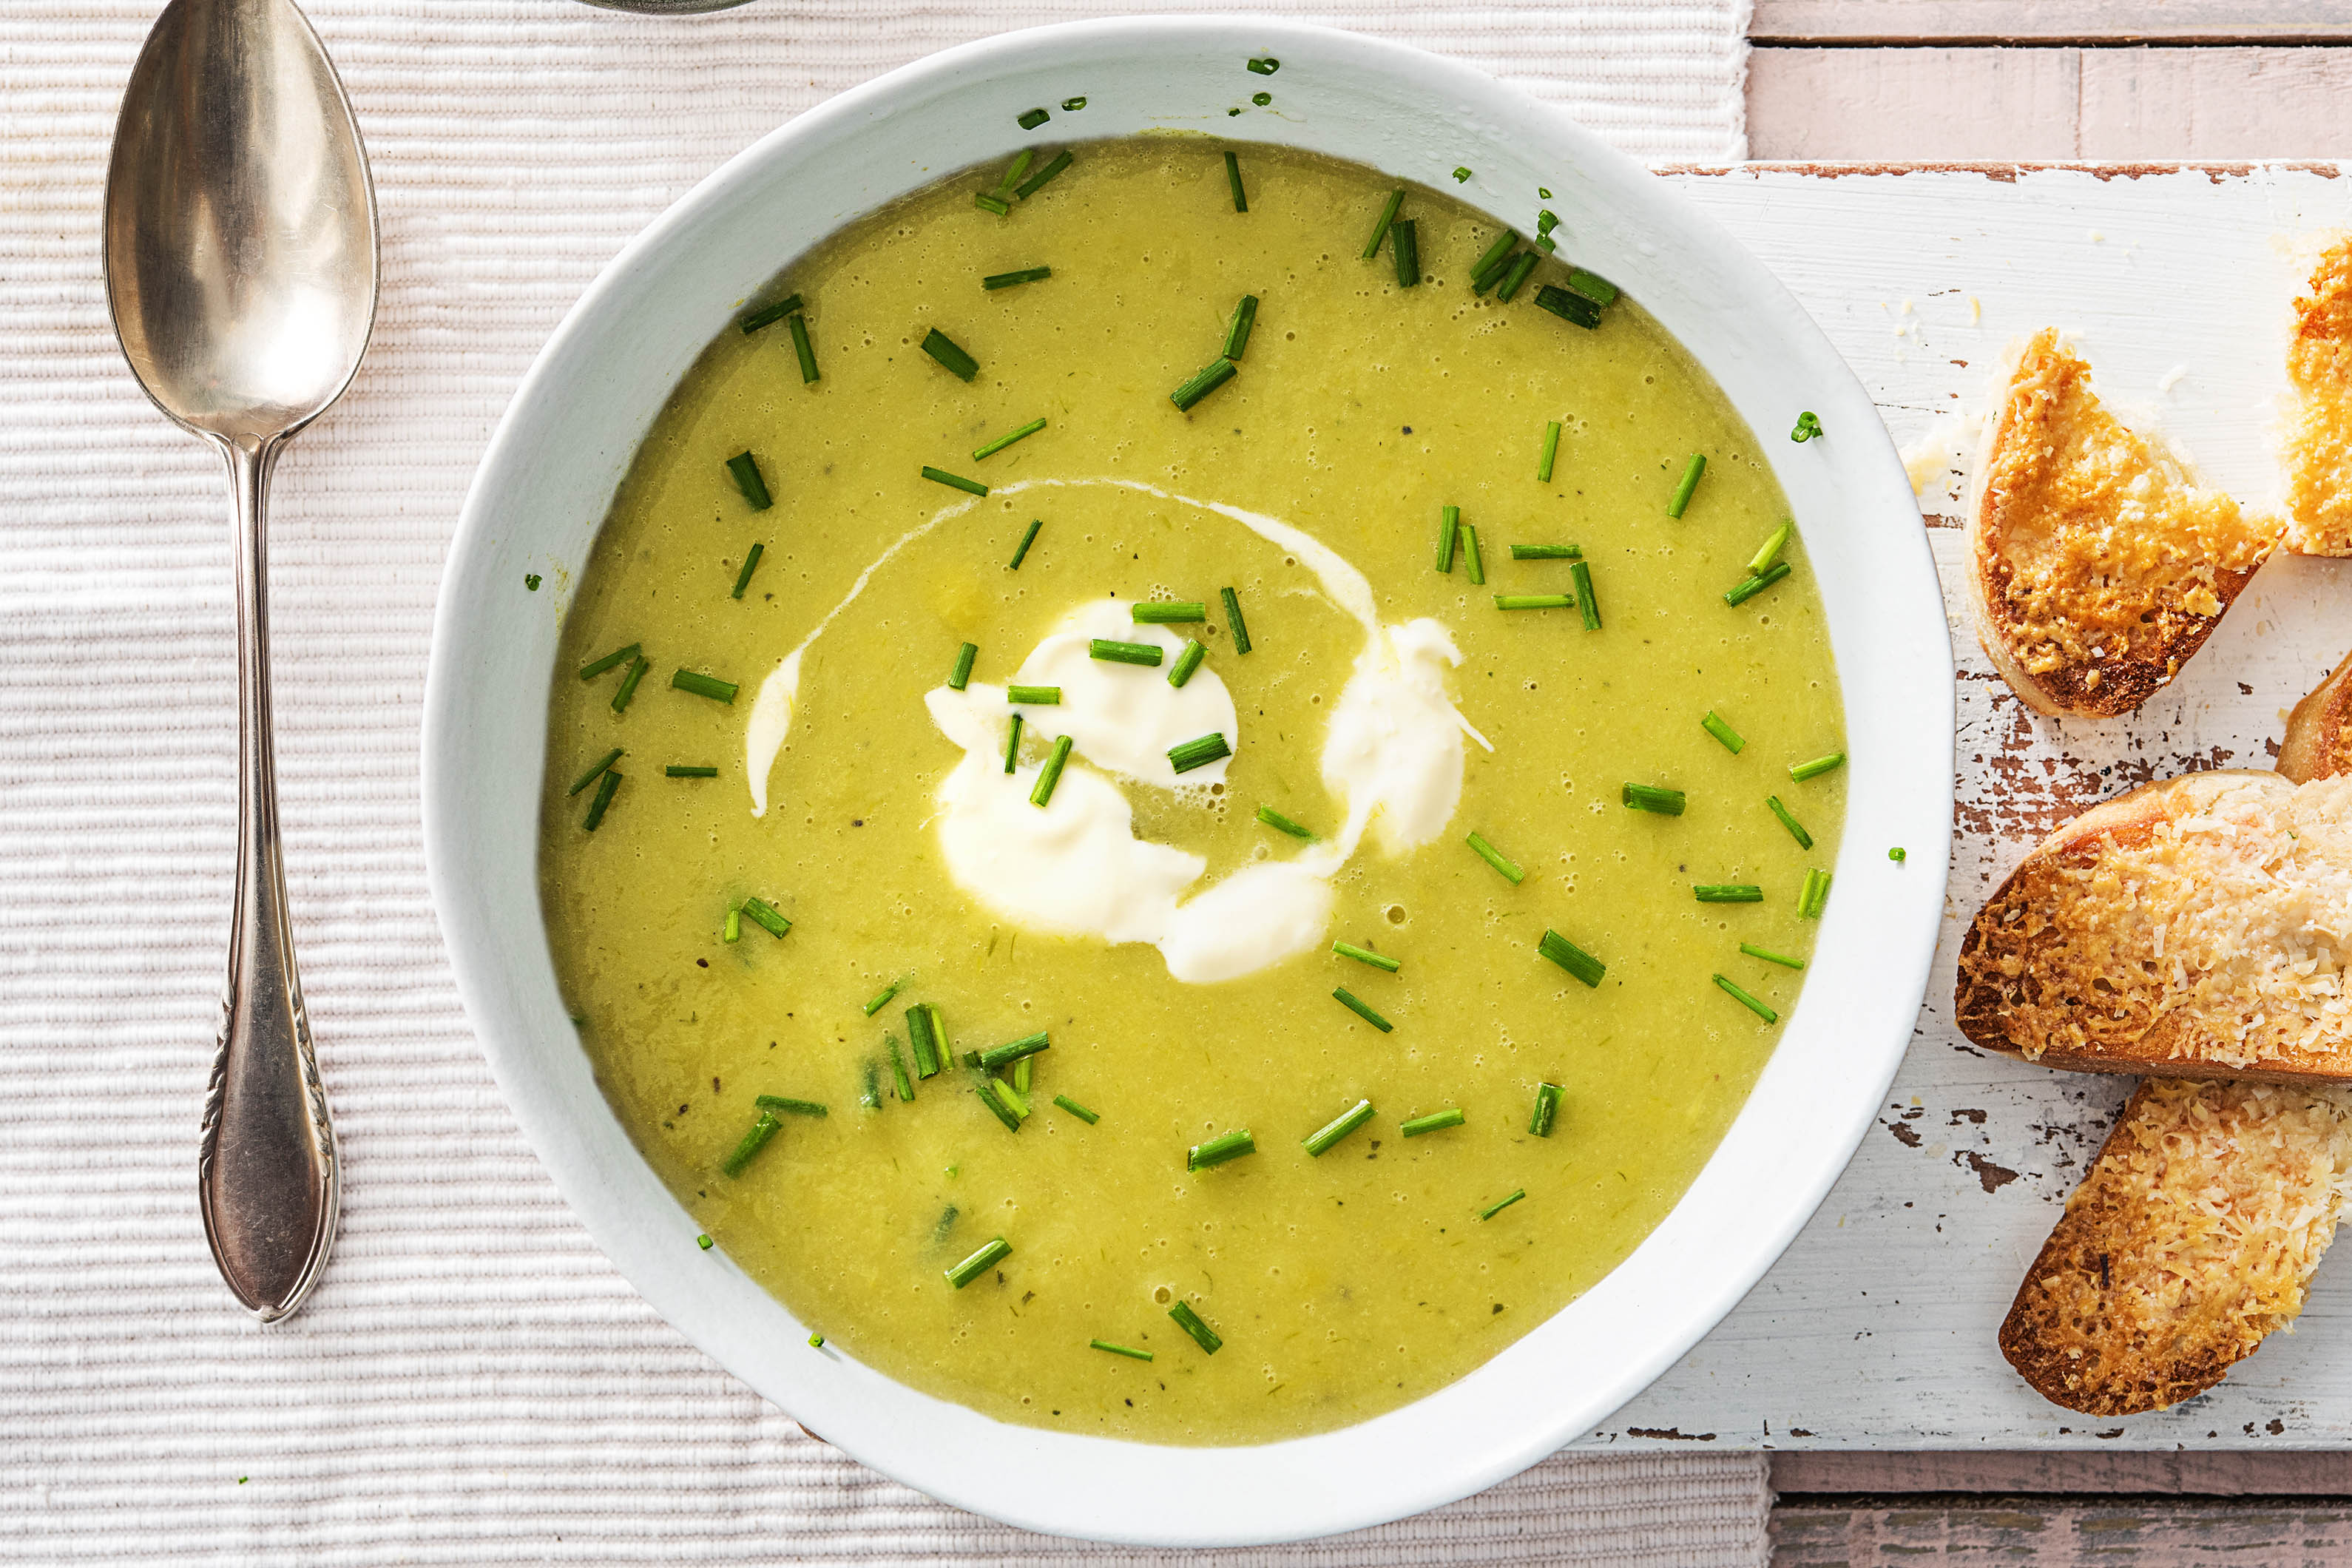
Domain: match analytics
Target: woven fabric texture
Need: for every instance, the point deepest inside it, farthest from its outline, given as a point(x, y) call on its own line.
point(472, 1381)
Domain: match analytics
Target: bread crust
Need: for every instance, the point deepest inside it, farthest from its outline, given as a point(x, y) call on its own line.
point(2318, 740)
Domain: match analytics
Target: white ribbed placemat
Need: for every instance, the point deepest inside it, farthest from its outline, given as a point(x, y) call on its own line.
point(472, 1381)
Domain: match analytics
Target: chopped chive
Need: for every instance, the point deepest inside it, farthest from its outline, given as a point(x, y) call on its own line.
point(1356, 1004)
point(1471, 561)
point(1545, 220)
point(733, 930)
point(1809, 425)
point(701, 685)
point(1687, 484)
point(1075, 1109)
point(750, 565)
point(764, 914)
point(955, 481)
point(1516, 276)
point(1654, 798)
point(1237, 330)
point(1535, 601)
point(1727, 892)
point(1125, 652)
point(996, 204)
point(787, 1103)
point(1494, 857)
point(1324, 1138)
point(619, 656)
point(961, 676)
point(1547, 1109)
point(1051, 773)
point(1461, 174)
point(980, 1263)
point(1199, 754)
point(800, 349)
point(1128, 1352)
point(1713, 725)
point(1817, 767)
point(1770, 552)
point(1572, 958)
point(1435, 1122)
point(1491, 1210)
point(1493, 259)
point(1815, 897)
point(1404, 243)
point(1038, 181)
point(1449, 533)
point(1233, 179)
point(1012, 1051)
point(1027, 540)
point(1072, 105)
point(1569, 305)
point(882, 997)
point(629, 684)
point(923, 1039)
point(950, 354)
point(1752, 586)
point(1796, 829)
point(1010, 1097)
point(1017, 168)
point(595, 770)
point(1543, 468)
point(703, 1242)
point(815, 1340)
point(1013, 743)
point(1387, 220)
point(769, 315)
point(1547, 551)
point(1592, 286)
point(1898, 853)
point(689, 771)
point(1769, 956)
point(1218, 1150)
point(1031, 119)
point(1187, 661)
point(1579, 573)
point(1750, 1003)
point(1189, 1322)
point(1000, 1101)
point(753, 1141)
point(746, 469)
point(1265, 65)
point(995, 280)
point(1035, 696)
point(1282, 824)
point(1021, 1074)
point(1168, 612)
point(1202, 383)
point(601, 799)
point(1365, 955)
point(1006, 440)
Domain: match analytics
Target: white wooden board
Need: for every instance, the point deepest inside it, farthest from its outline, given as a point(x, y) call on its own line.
point(1876, 1330)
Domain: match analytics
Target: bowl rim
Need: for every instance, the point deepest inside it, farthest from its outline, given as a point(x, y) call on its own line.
point(1854, 1015)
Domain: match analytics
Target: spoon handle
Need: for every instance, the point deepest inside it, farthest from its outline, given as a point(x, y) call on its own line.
point(267, 1174)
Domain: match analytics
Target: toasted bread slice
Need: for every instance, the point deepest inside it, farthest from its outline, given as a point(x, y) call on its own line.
point(2200, 928)
point(2318, 447)
point(2318, 740)
point(2098, 565)
point(2190, 1239)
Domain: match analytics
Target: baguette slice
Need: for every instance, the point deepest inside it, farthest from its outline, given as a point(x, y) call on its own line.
point(2098, 565)
point(2318, 740)
point(2199, 927)
point(2318, 447)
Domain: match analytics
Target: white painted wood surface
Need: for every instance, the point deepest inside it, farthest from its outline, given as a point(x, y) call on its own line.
point(1877, 1327)
point(1865, 22)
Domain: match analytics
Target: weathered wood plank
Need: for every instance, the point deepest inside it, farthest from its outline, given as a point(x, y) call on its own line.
point(2095, 22)
point(2055, 1533)
point(2278, 1474)
point(2215, 103)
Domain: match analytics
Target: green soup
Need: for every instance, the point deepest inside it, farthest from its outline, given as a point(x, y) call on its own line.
point(712, 956)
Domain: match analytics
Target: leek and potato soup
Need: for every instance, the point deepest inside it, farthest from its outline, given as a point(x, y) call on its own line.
point(1185, 789)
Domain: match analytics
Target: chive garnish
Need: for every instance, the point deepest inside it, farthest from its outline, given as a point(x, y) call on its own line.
point(701, 685)
point(619, 656)
point(1013, 743)
point(1016, 169)
point(1035, 696)
point(1572, 958)
point(1449, 533)
point(1404, 243)
point(1051, 773)
point(1809, 425)
point(1168, 612)
point(600, 799)
point(1769, 956)
point(1752, 586)
point(1727, 893)
point(1189, 1322)
point(980, 1263)
point(1494, 857)
point(595, 770)
point(1203, 382)
point(987, 202)
point(769, 315)
point(800, 349)
point(1013, 279)
point(1027, 540)
point(1187, 660)
point(960, 676)
point(1796, 829)
point(1072, 105)
point(882, 997)
point(1898, 855)
point(764, 915)
point(1579, 573)
point(1218, 1150)
point(1357, 1005)
point(1037, 182)
point(1547, 551)
point(1817, 767)
point(1199, 754)
point(1687, 484)
point(955, 481)
point(1233, 179)
point(1547, 1109)
point(1380, 228)
point(815, 1340)
point(1535, 601)
point(746, 469)
point(923, 1039)
point(1282, 824)
point(1128, 1352)
point(1009, 1098)
point(1237, 330)
point(1516, 276)
point(1365, 955)
point(1493, 259)
point(732, 930)
point(950, 354)
point(750, 565)
point(753, 1141)
point(785, 1102)
point(689, 771)
point(1472, 560)
point(1012, 1051)
point(1491, 1210)
point(1750, 1003)
point(703, 1242)
point(1321, 1140)
point(1713, 725)
point(1002, 1103)
point(1435, 1122)
point(1592, 286)
point(1075, 1109)
point(1031, 119)
point(1124, 652)
point(1006, 440)
point(629, 684)
point(1569, 305)
point(1815, 897)
point(1543, 468)
point(1770, 552)
point(1653, 798)
point(1265, 65)
point(1021, 1074)
point(1233, 621)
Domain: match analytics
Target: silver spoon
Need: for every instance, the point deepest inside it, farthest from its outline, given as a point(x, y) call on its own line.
point(241, 272)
